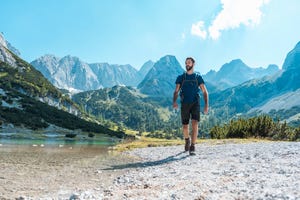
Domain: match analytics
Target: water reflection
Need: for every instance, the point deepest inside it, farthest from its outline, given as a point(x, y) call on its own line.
point(56, 139)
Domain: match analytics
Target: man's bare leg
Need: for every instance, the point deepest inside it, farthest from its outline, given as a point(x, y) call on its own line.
point(186, 135)
point(185, 129)
point(195, 131)
point(194, 136)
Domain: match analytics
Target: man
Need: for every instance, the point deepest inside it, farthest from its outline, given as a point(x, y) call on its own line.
point(189, 85)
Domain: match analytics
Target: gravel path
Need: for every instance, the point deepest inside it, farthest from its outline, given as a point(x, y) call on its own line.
point(257, 170)
point(263, 170)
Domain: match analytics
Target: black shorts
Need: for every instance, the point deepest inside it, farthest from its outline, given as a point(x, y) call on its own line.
point(190, 111)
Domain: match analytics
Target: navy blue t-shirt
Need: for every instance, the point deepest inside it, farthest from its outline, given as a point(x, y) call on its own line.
point(189, 92)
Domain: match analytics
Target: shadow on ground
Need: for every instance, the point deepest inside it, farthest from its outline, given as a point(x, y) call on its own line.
point(149, 163)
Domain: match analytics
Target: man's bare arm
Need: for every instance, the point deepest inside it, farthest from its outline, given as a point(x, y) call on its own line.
point(175, 96)
point(206, 99)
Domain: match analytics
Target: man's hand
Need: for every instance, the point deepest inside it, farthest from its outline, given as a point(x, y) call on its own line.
point(175, 105)
point(206, 109)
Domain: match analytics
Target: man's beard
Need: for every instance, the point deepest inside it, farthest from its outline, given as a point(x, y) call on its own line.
point(188, 68)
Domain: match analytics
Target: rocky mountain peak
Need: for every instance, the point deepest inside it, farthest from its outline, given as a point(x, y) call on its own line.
point(292, 61)
point(160, 80)
point(234, 65)
point(168, 60)
point(2, 41)
point(5, 55)
point(7, 45)
point(146, 68)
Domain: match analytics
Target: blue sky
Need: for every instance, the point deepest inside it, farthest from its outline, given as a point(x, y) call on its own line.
point(260, 32)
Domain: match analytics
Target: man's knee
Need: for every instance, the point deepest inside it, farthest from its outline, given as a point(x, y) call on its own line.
point(195, 122)
point(185, 126)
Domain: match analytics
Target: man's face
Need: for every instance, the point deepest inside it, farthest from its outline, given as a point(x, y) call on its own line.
point(189, 64)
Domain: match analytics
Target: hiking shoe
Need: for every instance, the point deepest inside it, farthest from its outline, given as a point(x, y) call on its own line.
point(187, 144)
point(192, 150)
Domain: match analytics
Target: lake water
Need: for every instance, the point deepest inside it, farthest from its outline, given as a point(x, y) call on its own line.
point(57, 139)
point(67, 165)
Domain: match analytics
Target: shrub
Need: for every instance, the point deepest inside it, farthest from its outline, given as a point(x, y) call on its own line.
point(261, 127)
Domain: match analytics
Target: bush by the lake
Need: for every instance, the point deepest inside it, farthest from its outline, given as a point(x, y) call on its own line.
point(258, 127)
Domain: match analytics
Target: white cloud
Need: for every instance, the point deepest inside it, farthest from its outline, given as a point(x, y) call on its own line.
point(233, 14)
point(198, 30)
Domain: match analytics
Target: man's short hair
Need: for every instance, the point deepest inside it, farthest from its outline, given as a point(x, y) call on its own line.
point(190, 58)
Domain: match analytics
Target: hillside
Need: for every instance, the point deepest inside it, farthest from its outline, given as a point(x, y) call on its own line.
point(30, 100)
point(124, 106)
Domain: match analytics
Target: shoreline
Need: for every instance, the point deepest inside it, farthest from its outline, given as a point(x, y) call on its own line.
point(55, 172)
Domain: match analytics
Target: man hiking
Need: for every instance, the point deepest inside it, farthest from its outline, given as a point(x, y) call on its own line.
point(189, 85)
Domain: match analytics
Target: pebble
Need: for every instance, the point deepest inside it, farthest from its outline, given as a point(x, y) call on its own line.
point(251, 172)
point(74, 197)
point(260, 170)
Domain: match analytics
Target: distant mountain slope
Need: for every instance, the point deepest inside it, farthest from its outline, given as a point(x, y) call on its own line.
point(73, 74)
point(286, 106)
point(236, 72)
point(111, 75)
point(67, 72)
point(146, 68)
point(259, 94)
point(292, 60)
point(160, 80)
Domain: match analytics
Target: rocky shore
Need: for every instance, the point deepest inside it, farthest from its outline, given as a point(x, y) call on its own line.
point(263, 170)
point(256, 170)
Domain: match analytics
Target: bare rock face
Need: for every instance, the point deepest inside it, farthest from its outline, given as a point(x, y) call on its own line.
point(146, 67)
point(160, 80)
point(5, 55)
point(71, 73)
point(292, 60)
point(2, 41)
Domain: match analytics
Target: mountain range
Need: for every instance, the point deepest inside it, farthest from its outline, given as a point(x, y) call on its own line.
point(272, 91)
point(235, 73)
point(157, 78)
point(73, 74)
point(142, 98)
point(276, 95)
